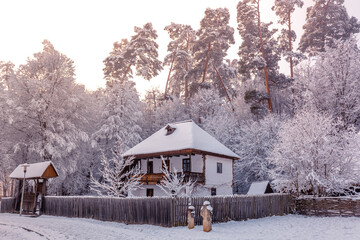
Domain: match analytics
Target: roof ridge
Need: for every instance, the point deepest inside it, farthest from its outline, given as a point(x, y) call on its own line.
point(184, 121)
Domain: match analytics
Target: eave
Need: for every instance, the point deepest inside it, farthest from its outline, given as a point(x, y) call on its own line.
point(180, 152)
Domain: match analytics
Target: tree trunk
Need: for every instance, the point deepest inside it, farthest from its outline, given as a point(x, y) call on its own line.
point(186, 91)
point(291, 60)
point(187, 69)
point(127, 70)
point(206, 63)
point(290, 46)
point(168, 78)
point(263, 55)
point(223, 85)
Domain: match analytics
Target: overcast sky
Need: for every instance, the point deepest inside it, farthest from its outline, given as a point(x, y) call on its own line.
point(85, 30)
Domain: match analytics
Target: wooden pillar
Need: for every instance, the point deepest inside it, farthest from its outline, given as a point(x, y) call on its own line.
point(204, 167)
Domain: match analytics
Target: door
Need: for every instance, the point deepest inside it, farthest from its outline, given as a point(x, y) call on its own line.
point(149, 192)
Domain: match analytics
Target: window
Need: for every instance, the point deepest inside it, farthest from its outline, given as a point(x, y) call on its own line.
point(219, 167)
point(186, 165)
point(213, 191)
point(150, 167)
point(150, 192)
point(169, 130)
point(167, 163)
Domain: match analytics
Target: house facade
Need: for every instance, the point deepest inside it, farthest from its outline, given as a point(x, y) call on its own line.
point(190, 150)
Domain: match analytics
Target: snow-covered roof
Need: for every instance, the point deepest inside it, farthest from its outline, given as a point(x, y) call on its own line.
point(179, 136)
point(258, 188)
point(35, 170)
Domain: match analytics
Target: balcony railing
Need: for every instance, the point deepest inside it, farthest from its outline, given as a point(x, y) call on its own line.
point(155, 178)
point(198, 177)
point(152, 178)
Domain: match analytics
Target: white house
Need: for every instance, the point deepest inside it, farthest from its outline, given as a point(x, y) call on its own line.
point(189, 149)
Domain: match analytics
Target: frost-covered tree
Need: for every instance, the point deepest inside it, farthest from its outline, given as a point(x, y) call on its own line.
point(251, 51)
point(326, 21)
point(256, 140)
point(174, 184)
point(170, 110)
point(259, 57)
point(44, 107)
point(120, 117)
point(141, 52)
point(179, 58)
point(333, 82)
point(313, 157)
point(77, 180)
point(284, 10)
point(119, 175)
point(8, 136)
point(205, 104)
point(214, 39)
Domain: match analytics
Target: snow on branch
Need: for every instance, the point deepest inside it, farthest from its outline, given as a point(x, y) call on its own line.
point(120, 176)
point(174, 184)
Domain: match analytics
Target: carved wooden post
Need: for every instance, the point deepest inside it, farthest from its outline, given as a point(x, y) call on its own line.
point(206, 212)
point(191, 217)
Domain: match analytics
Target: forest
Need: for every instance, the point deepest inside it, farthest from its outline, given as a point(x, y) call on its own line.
point(300, 130)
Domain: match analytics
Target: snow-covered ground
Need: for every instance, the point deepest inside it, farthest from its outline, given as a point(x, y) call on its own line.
point(286, 227)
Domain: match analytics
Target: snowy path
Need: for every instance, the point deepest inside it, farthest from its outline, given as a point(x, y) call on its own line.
point(14, 227)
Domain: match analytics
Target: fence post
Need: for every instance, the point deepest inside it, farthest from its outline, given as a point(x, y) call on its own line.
point(173, 212)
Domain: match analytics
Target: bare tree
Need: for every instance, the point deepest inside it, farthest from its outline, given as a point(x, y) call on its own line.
point(119, 175)
point(173, 183)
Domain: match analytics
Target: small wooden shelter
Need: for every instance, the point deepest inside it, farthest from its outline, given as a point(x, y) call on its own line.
point(262, 187)
point(36, 190)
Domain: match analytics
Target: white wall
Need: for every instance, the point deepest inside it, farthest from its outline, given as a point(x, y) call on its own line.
point(197, 163)
point(221, 181)
point(142, 192)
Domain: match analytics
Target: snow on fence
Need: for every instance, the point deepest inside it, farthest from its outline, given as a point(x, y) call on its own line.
point(328, 206)
point(7, 204)
point(168, 212)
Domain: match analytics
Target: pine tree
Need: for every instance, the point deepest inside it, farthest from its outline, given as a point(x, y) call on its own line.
point(326, 21)
point(254, 34)
point(179, 59)
point(214, 39)
point(120, 117)
point(259, 58)
point(141, 52)
point(284, 10)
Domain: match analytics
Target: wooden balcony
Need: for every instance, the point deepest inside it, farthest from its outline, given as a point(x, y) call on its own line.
point(155, 178)
point(152, 178)
point(198, 177)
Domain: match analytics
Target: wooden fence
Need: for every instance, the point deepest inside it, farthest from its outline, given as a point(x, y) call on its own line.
point(236, 207)
point(156, 211)
point(168, 212)
point(328, 206)
point(7, 204)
